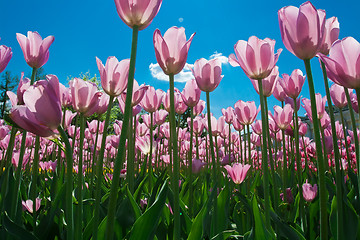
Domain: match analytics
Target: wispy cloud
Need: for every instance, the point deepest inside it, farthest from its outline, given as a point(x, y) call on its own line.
point(182, 76)
point(185, 74)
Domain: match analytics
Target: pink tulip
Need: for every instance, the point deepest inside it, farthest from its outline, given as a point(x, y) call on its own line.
point(191, 93)
point(246, 112)
point(228, 114)
point(137, 95)
point(302, 29)
point(35, 49)
point(180, 107)
point(302, 129)
point(94, 125)
point(152, 99)
point(17, 99)
point(279, 92)
point(256, 57)
point(332, 30)
point(135, 110)
point(143, 144)
point(160, 116)
point(199, 107)
point(237, 172)
point(198, 124)
point(103, 104)
point(207, 74)
point(137, 13)
point(85, 96)
point(28, 205)
point(320, 106)
point(68, 118)
point(114, 75)
point(338, 96)
point(257, 127)
point(343, 63)
point(171, 50)
point(41, 113)
point(197, 165)
point(293, 84)
point(309, 192)
point(283, 116)
point(5, 56)
point(268, 82)
point(236, 124)
point(65, 95)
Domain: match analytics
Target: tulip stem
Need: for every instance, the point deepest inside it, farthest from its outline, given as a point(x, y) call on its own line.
point(120, 157)
point(176, 165)
point(190, 162)
point(99, 168)
point(319, 157)
point(35, 172)
point(358, 100)
point(212, 158)
point(93, 170)
point(78, 226)
point(130, 171)
point(264, 157)
point(33, 75)
point(69, 184)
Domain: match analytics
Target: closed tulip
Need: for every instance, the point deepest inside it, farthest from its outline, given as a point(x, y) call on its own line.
point(293, 84)
point(207, 74)
point(114, 75)
point(191, 93)
point(283, 116)
point(5, 56)
point(309, 191)
point(302, 29)
point(246, 112)
point(35, 49)
point(152, 99)
point(338, 96)
point(171, 50)
point(268, 82)
point(332, 30)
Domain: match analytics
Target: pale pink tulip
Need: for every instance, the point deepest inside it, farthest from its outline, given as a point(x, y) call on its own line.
point(191, 93)
point(246, 112)
point(338, 96)
point(171, 50)
point(199, 107)
point(283, 116)
point(256, 57)
point(207, 74)
point(160, 116)
point(152, 99)
point(85, 96)
point(302, 29)
point(293, 84)
point(268, 82)
point(332, 30)
point(28, 205)
point(35, 49)
point(5, 56)
point(237, 172)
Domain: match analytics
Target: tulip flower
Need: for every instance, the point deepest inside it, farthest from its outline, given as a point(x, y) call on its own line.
point(302, 29)
point(35, 49)
point(279, 92)
point(29, 206)
point(283, 116)
point(137, 93)
point(191, 93)
point(268, 82)
point(137, 13)
point(331, 34)
point(338, 96)
point(160, 116)
point(171, 50)
point(17, 99)
point(152, 99)
point(293, 84)
point(114, 75)
point(197, 165)
point(246, 112)
point(320, 106)
point(207, 74)
point(5, 56)
point(85, 96)
point(237, 172)
point(228, 114)
point(199, 107)
point(309, 191)
point(256, 57)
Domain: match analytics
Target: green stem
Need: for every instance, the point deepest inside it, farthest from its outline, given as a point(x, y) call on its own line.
point(33, 75)
point(79, 214)
point(284, 171)
point(35, 172)
point(319, 157)
point(190, 162)
point(264, 161)
point(176, 165)
point(212, 158)
point(69, 185)
point(120, 157)
point(94, 157)
point(99, 169)
point(131, 154)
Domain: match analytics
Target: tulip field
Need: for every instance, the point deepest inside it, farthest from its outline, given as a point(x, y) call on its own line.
point(167, 168)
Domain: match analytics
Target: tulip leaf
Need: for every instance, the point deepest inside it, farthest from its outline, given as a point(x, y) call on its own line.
point(145, 226)
point(285, 230)
point(134, 206)
point(15, 230)
point(260, 230)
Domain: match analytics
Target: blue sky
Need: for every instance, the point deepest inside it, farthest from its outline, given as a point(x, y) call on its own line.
point(84, 30)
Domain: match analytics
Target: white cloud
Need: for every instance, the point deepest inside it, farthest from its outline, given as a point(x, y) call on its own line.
point(185, 74)
point(182, 76)
point(223, 59)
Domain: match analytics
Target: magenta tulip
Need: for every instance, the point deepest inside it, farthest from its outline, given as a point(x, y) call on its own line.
point(114, 75)
point(293, 84)
point(302, 29)
point(35, 49)
point(137, 13)
point(207, 74)
point(256, 57)
point(309, 192)
point(5, 56)
point(171, 50)
point(237, 172)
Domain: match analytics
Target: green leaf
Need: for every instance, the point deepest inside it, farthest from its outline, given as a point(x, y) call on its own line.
point(102, 229)
point(223, 210)
point(285, 229)
point(16, 230)
point(134, 205)
point(260, 230)
point(145, 226)
point(224, 235)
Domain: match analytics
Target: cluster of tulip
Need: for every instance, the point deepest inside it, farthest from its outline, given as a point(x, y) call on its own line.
point(125, 180)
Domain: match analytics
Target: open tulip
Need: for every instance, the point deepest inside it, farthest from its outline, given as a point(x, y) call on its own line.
point(237, 172)
point(137, 13)
point(302, 29)
point(256, 57)
point(309, 191)
point(171, 50)
point(35, 49)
